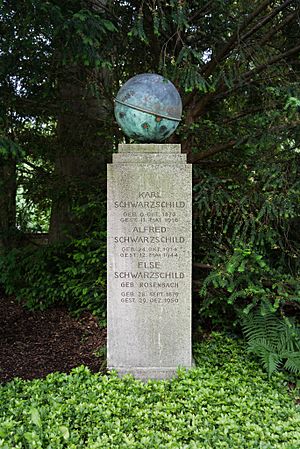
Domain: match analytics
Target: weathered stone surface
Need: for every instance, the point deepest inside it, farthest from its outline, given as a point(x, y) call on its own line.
point(149, 158)
point(149, 260)
point(165, 148)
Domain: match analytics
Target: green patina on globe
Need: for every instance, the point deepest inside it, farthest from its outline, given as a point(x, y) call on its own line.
point(148, 108)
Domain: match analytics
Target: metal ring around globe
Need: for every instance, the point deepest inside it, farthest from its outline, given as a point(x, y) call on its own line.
point(147, 111)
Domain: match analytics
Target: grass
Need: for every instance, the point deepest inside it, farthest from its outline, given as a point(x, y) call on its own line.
point(227, 402)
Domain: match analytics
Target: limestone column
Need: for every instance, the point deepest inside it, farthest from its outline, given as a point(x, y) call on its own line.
point(149, 253)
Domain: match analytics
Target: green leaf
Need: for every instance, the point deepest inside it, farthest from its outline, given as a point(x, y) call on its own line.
point(35, 417)
point(230, 268)
point(109, 25)
point(65, 432)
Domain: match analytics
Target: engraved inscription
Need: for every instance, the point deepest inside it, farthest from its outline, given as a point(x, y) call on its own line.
point(150, 240)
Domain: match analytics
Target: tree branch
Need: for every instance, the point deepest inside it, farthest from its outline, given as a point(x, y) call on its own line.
point(100, 6)
point(271, 61)
point(275, 30)
point(203, 266)
point(246, 79)
point(208, 68)
point(211, 65)
point(194, 158)
point(200, 12)
point(214, 150)
point(35, 167)
point(266, 19)
point(197, 107)
point(242, 114)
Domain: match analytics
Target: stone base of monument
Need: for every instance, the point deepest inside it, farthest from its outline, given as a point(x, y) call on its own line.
point(149, 261)
point(147, 373)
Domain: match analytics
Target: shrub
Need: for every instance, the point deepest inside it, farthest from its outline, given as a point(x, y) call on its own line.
point(226, 402)
point(73, 274)
point(246, 223)
point(246, 230)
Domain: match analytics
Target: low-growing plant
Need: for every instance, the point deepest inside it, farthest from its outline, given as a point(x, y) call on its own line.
point(101, 352)
point(226, 402)
point(275, 340)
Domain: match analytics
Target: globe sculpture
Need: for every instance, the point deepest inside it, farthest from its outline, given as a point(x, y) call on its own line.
point(148, 108)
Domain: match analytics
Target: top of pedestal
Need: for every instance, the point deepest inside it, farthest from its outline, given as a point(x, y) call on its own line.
point(166, 148)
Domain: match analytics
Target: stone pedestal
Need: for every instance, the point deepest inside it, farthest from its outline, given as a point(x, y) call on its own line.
point(149, 252)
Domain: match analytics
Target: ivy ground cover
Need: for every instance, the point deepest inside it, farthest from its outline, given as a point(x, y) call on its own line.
point(226, 401)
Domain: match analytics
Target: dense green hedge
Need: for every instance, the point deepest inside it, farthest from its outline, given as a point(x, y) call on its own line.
point(72, 273)
point(226, 402)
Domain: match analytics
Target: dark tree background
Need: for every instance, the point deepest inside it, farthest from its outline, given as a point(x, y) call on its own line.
point(236, 65)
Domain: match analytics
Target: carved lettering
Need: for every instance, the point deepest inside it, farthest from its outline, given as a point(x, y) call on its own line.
point(148, 265)
point(150, 204)
point(149, 195)
point(150, 229)
point(150, 239)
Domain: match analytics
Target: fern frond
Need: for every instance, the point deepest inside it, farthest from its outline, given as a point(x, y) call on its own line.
point(290, 337)
point(293, 363)
point(271, 363)
point(267, 353)
point(257, 326)
point(273, 339)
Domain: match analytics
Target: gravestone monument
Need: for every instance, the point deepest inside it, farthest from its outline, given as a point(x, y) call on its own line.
point(149, 236)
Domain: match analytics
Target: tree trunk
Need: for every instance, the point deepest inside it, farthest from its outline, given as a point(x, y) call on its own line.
point(7, 203)
point(82, 152)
